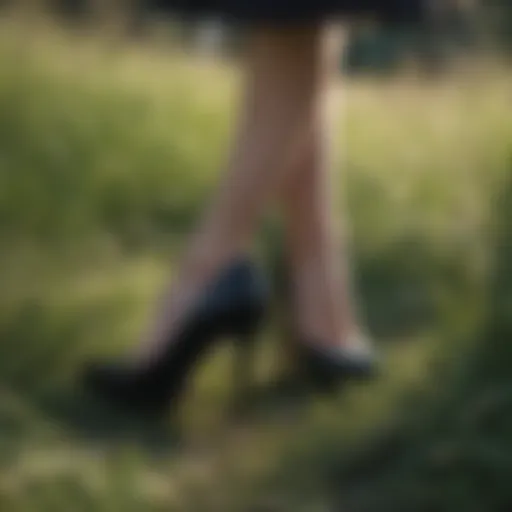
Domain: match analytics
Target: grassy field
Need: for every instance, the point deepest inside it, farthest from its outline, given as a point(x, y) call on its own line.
point(107, 154)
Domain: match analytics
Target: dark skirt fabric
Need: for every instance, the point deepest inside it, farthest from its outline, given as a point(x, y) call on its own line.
point(401, 12)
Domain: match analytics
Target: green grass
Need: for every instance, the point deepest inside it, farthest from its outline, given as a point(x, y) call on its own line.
point(106, 157)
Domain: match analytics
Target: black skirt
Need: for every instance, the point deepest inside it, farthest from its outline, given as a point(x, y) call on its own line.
point(400, 12)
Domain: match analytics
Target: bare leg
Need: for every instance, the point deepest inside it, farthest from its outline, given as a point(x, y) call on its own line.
point(318, 269)
point(321, 292)
point(285, 84)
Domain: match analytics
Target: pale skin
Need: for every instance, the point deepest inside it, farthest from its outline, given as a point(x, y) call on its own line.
point(282, 151)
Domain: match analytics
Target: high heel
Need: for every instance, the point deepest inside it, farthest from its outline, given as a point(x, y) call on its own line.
point(325, 367)
point(315, 365)
point(233, 306)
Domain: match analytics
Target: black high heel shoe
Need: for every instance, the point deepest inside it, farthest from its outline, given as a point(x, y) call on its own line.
point(311, 364)
point(325, 367)
point(234, 306)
